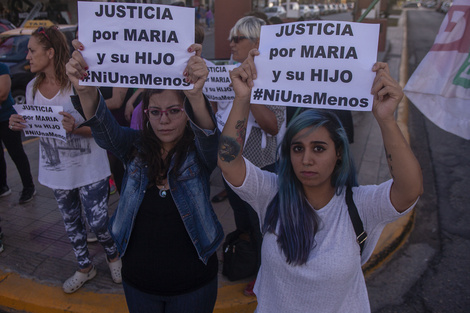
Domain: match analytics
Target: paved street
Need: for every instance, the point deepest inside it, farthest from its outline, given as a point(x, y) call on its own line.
point(431, 272)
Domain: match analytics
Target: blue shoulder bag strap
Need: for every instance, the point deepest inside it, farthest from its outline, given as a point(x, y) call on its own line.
point(361, 235)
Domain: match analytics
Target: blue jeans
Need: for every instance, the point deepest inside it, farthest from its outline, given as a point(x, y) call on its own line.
point(201, 300)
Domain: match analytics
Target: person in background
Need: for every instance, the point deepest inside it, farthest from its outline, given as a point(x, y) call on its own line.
point(131, 106)
point(264, 125)
point(311, 259)
point(197, 14)
point(202, 13)
point(165, 227)
point(209, 17)
point(12, 142)
point(222, 195)
point(76, 170)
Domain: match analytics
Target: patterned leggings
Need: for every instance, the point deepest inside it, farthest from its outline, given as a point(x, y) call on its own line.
point(94, 198)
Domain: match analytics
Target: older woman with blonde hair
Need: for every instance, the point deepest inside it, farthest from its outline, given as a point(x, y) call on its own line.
point(265, 122)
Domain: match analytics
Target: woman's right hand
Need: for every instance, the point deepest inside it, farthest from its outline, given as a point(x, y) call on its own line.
point(242, 77)
point(76, 68)
point(196, 71)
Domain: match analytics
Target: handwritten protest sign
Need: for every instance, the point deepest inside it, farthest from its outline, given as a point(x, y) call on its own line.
point(317, 64)
point(216, 87)
point(42, 120)
point(135, 45)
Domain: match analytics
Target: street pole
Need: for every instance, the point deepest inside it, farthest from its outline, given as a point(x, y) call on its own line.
point(371, 6)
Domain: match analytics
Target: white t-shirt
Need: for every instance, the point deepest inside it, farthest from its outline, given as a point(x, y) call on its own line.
point(332, 279)
point(72, 164)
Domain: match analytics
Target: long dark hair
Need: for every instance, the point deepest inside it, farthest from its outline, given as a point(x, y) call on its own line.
point(52, 37)
point(152, 146)
point(290, 211)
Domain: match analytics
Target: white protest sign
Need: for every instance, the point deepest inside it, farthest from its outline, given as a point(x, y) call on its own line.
point(42, 120)
point(317, 64)
point(135, 45)
point(216, 87)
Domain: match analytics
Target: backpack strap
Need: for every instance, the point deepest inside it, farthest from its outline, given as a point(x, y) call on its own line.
point(361, 235)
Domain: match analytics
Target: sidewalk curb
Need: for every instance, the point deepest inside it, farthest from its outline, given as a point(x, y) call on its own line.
point(230, 299)
point(400, 230)
point(27, 295)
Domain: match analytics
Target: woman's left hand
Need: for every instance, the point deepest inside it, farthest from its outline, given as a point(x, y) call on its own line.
point(17, 122)
point(387, 92)
point(68, 122)
point(196, 71)
point(242, 77)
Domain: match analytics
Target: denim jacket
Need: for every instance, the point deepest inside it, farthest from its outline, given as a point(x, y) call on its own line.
point(190, 188)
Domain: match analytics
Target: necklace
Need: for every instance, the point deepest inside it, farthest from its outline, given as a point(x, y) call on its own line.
point(163, 190)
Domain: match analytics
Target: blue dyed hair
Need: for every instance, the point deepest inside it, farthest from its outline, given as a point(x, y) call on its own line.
point(297, 222)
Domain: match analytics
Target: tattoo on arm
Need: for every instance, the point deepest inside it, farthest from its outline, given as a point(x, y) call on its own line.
point(229, 148)
point(389, 161)
point(241, 131)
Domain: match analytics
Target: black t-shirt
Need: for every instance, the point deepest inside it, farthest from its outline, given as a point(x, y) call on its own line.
point(160, 257)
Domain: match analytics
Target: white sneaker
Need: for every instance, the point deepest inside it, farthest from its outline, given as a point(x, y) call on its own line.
point(115, 269)
point(4, 191)
point(91, 237)
point(77, 280)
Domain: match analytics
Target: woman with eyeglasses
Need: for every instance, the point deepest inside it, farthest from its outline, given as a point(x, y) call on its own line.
point(76, 170)
point(264, 124)
point(164, 226)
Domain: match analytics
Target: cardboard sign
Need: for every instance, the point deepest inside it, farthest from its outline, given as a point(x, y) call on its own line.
point(217, 86)
point(42, 120)
point(317, 64)
point(135, 45)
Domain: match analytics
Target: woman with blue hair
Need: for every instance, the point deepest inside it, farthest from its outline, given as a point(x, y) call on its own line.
point(310, 259)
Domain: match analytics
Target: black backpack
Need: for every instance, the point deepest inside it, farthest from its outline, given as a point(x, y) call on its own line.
point(240, 256)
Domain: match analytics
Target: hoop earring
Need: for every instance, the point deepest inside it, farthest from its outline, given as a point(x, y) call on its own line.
point(148, 125)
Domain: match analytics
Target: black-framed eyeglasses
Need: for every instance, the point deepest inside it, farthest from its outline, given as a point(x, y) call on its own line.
point(237, 39)
point(157, 113)
point(42, 30)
